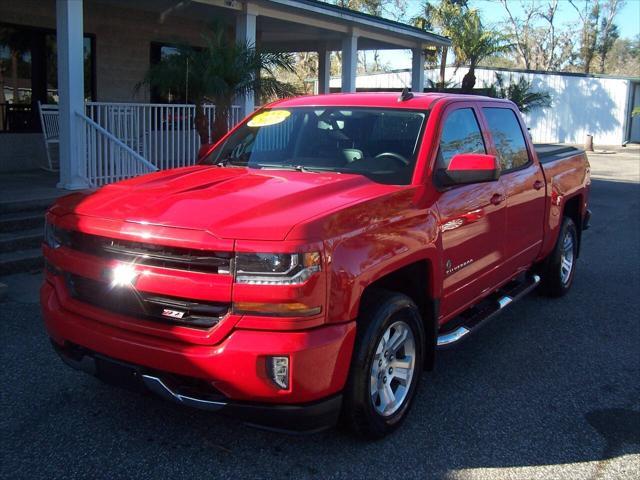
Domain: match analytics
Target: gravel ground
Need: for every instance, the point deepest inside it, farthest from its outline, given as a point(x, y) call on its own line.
point(550, 389)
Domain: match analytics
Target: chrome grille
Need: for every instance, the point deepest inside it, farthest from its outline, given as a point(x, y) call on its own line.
point(134, 303)
point(149, 254)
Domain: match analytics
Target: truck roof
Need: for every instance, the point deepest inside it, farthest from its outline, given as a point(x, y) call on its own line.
point(420, 101)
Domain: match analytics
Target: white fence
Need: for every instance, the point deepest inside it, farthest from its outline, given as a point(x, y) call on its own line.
point(108, 158)
point(123, 140)
point(165, 135)
point(581, 105)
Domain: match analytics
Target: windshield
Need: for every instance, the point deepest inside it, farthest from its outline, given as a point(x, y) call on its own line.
point(378, 143)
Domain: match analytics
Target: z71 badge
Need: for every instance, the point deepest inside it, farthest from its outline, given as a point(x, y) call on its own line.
point(172, 313)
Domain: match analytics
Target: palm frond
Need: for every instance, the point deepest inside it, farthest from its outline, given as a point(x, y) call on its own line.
point(221, 71)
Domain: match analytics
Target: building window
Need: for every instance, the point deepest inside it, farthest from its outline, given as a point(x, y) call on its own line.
point(28, 74)
point(159, 52)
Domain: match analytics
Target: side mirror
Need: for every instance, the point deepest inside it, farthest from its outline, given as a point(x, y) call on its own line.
point(466, 168)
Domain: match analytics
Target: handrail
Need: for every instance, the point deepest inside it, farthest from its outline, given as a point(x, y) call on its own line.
point(118, 142)
point(107, 158)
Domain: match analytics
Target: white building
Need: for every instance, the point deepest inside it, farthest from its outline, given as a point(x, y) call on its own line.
point(581, 104)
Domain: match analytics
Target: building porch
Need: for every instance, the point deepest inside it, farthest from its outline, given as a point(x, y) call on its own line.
point(104, 47)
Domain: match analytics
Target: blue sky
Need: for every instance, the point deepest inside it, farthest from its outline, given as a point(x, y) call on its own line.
point(628, 21)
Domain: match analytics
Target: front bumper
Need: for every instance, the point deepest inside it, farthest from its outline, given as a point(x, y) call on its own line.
point(234, 367)
point(305, 418)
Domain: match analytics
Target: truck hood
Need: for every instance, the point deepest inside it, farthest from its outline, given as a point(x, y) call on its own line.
point(234, 203)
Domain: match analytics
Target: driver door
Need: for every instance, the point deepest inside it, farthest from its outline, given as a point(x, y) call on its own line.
point(472, 220)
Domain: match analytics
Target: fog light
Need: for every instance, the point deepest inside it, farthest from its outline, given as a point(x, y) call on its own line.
point(278, 371)
point(123, 275)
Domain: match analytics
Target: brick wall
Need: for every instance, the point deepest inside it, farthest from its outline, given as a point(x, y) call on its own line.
point(123, 39)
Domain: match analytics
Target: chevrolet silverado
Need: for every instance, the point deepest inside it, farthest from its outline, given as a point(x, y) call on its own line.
point(309, 267)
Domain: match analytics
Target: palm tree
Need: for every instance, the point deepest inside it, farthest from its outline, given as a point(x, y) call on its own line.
point(218, 73)
point(521, 93)
point(472, 41)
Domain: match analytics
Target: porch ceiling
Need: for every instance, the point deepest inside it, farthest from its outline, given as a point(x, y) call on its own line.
point(293, 25)
point(280, 35)
point(372, 32)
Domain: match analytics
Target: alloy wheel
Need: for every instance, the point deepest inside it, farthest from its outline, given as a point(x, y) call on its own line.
point(392, 369)
point(567, 258)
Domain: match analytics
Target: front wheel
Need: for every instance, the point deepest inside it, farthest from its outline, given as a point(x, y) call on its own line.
point(560, 266)
point(386, 366)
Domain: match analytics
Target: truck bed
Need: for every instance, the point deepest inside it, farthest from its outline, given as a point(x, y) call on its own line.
point(548, 152)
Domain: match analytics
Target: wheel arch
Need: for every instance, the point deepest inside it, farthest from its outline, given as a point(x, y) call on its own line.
point(573, 209)
point(414, 280)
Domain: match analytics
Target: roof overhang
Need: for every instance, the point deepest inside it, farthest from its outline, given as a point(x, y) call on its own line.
point(305, 23)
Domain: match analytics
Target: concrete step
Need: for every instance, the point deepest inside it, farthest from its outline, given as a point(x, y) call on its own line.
point(21, 221)
point(40, 204)
point(22, 261)
point(20, 240)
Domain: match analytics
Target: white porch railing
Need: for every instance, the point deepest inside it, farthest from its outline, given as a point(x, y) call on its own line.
point(128, 139)
point(164, 134)
point(108, 159)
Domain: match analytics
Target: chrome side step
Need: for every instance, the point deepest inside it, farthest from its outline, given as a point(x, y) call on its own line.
point(504, 301)
point(506, 297)
point(452, 337)
point(160, 388)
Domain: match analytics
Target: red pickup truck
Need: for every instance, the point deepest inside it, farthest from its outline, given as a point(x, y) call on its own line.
point(310, 266)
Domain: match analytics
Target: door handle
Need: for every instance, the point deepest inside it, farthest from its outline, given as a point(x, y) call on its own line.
point(538, 184)
point(497, 198)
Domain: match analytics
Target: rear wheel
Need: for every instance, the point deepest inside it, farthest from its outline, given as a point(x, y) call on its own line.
point(559, 268)
point(386, 365)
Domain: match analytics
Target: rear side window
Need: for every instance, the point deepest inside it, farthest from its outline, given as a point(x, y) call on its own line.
point(460, 134)
point(507, 135)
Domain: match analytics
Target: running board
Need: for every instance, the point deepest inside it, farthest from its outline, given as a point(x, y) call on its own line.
point(478, 316)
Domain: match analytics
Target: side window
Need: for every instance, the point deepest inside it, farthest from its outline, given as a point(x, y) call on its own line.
point(507, 135)
point(460, 134)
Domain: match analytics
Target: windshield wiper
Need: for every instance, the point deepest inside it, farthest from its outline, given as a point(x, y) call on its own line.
point(296, 168)
point(223, 161)
point(230, 160)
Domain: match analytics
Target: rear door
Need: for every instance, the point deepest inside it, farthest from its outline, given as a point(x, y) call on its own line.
point(523, 183)
point(472, 217)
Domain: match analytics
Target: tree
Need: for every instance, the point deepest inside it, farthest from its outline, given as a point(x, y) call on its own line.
point(598, 32)
point(608, 31)
point(521, 93)
point(589, 16)
point(218, 73)
point(624, 57)
point(394, 9)
point(539, 43)
point(521, 29)
point(472, 41)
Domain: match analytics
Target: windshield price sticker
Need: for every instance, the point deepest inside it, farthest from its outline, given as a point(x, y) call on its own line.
point(271, 117)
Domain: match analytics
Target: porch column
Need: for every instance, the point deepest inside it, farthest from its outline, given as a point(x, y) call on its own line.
point(246, 34)
point(443, 66)
point(324, 70)
point(71, 94)
point(349, 62)
point(417, 70)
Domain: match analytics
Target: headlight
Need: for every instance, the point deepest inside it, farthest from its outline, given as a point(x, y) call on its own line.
point(276, 268)
point(52, 235)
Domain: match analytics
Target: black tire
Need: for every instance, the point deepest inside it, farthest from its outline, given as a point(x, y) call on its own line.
point(380, 310)
point(555, 282)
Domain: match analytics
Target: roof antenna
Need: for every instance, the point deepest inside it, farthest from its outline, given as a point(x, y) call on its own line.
point(405, 95)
